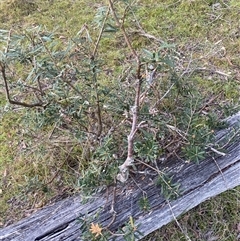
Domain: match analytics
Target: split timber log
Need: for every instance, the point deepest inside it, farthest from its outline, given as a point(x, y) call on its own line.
point(199, 182)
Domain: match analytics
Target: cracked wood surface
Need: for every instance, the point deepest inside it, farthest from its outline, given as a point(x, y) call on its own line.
point(199, 182)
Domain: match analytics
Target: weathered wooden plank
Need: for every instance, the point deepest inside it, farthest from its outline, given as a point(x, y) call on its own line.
point(199, 182)
point(212, 188)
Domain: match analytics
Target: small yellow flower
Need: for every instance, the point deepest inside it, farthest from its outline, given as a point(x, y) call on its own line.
point(95, 229)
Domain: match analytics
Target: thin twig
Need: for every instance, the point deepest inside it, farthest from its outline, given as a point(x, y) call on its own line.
point(3, 71)
point(208, 70)
point(230, 139)
point(100, 34)
point(218, 152)
point(14, 102)
point(147, 165)
point(166, 93)
point(114, 213)
point(224, 179)
point(99, 112)
point(144, 192)
point(121, 26)
point(178, 224)
point(57, 172)
point(48, 51)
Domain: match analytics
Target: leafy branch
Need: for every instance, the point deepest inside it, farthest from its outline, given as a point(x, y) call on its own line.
point(3, 72)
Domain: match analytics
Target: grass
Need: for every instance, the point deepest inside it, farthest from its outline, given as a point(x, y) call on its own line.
point(206, 34)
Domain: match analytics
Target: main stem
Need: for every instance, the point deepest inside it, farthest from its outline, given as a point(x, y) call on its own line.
point(124, 168)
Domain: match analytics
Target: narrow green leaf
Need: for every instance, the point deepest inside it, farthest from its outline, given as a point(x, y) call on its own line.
point(148, 53)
